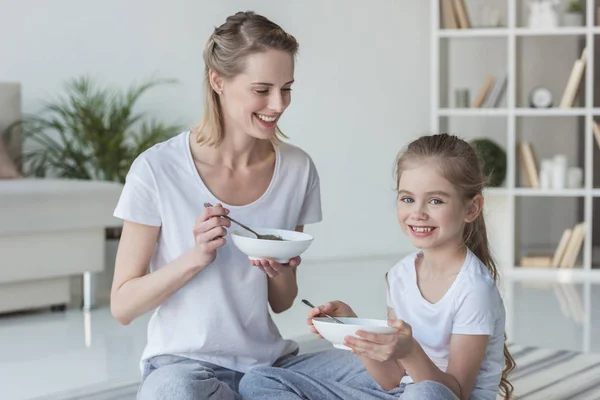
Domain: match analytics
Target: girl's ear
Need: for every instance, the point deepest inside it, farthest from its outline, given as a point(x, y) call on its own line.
point(216, 81)
point(474, 208)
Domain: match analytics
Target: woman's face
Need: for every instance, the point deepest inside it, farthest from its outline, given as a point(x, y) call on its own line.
point(253, 101)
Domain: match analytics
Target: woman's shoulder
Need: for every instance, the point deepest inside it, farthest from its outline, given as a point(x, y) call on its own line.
point(173, 147)
point(293, 153)
point(158, 156)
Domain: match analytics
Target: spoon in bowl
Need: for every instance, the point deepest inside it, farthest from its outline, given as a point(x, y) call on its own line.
point(308, 303)
point(258, 236)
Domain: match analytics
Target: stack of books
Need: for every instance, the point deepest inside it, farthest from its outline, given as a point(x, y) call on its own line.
point(566, 252)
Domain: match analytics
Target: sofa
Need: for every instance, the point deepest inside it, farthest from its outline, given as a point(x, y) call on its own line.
point(51, 230)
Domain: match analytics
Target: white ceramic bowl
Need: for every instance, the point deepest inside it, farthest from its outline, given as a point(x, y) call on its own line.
point(335, 332)
point(294, 244)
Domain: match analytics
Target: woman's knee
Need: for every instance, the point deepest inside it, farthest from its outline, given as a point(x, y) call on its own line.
point(176, 381)
point(259, 379)
point(430, 390)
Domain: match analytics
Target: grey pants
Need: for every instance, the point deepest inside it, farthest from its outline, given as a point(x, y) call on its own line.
point(177, 378)
point(334, 374)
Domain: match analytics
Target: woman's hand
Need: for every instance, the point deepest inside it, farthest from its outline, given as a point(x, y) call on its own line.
point(333, 308)
point(383, 347)
point(273, 268)
point(209, 234)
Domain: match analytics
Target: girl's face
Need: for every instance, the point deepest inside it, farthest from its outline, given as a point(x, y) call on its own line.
point(431, 211)
point(254, 100)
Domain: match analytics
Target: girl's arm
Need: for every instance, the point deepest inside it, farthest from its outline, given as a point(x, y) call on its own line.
point(466, 355)
point(386, 373)
point(283, 287)
point(134, 292)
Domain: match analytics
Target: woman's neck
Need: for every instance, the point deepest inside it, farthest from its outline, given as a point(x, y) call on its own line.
point(234, 151)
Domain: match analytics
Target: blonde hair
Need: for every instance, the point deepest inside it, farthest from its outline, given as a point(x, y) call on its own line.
point(461, 166)
point(242, 34)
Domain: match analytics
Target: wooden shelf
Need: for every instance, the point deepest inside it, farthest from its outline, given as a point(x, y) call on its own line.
point(472, 112)
point(472, 33)
point(561, 31)
point(530, 192)
point(558, 275)
point(549, 112)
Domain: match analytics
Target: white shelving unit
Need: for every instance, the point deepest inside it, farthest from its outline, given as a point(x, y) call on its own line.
point(511, 112)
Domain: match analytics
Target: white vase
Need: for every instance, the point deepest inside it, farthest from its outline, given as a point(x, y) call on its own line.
point(573, 19)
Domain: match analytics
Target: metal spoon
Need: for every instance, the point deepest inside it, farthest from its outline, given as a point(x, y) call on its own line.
point(327, 315)
point(258, 236)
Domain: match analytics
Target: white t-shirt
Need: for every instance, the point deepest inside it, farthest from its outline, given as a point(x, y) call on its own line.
point(221, 315)
point(471, 306)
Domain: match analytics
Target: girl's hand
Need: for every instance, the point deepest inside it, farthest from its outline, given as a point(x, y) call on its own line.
point(273, 268)
point(383, 347)
point(209, 232)
point(333, 308)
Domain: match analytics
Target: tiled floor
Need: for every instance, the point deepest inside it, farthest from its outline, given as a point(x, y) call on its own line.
point(57, 355)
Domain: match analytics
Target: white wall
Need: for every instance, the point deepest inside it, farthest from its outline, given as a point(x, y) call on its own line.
point(361, 91)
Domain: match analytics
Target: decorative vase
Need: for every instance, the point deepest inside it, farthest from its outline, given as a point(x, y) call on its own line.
point(573, 19)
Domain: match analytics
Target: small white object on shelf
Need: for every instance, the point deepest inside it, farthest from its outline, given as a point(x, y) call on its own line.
point(542, 14)
point(574, 178)
point(559, 171)
point(546, 172)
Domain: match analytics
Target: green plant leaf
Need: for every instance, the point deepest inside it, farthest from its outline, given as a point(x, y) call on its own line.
point(90, 132)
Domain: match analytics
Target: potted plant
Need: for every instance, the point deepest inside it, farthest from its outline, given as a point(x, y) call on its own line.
point(90, 133)
point(573, 15)
point(494, 160)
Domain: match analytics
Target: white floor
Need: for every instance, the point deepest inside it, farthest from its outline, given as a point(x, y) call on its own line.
point(57, 355)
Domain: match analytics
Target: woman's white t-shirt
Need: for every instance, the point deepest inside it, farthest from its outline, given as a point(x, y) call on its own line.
point(471, 306)
point(221, 315)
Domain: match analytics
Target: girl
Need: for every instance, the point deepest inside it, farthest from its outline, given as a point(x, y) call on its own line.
point(211, 320)
point(442, 300)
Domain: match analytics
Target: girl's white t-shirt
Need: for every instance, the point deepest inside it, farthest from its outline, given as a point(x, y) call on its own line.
point(221, 315)
point(471, 306)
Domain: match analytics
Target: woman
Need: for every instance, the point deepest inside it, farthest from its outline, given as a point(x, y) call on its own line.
point(211, 320)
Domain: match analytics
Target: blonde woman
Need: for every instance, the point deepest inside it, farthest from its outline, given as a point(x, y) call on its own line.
point(211, 320)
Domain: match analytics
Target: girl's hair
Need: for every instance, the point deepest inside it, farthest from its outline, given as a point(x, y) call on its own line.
point(242, 34)
point(460, 165)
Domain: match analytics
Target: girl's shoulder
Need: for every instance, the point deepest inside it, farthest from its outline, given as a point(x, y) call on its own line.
point(404, 267)
point(476, 272)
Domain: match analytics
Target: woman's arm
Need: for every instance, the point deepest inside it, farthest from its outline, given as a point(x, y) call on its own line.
point(283, 287)
point(134, 292)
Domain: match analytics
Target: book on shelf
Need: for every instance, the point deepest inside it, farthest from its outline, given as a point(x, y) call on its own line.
point(462, 15)
point(529, 164)
point(596, 129)
point(536, 260)
point(562, 246)
point(497, 92)
point(484, 91)
point(574, 81)
point(573, 247)
point(448, 16)
point(564, 256)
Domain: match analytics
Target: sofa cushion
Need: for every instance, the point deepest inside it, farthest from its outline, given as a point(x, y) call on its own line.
point(44, 205)
point(7, 167)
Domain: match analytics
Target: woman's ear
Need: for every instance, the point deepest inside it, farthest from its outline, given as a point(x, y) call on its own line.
point(216, 81)
point(474, 208)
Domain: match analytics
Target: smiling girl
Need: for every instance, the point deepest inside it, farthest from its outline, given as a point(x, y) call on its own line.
point(443, 301)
